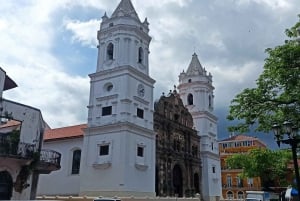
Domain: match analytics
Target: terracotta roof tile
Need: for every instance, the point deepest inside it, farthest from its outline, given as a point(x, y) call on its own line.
point(64, 132)
point(239, 138)
point(10, 123)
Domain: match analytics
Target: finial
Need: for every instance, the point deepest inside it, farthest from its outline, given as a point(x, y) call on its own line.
point(104, 17)
point(146, 22)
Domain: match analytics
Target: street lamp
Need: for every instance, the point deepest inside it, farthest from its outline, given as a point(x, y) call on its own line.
point(293, 139)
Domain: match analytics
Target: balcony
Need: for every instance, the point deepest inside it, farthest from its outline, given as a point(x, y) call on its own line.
point(49, 161)
point(25, 153)
point(15, 150)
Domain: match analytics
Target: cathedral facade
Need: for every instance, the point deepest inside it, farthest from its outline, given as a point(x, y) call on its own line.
point(178, 163)
point(131, 146)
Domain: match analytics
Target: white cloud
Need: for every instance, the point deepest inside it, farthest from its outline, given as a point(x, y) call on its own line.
point(229, 39)
point(84, 32)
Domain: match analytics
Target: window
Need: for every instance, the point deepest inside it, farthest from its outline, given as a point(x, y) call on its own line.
point(209, 101)
point(190, 80)
point(110, 52)
point(141, 55)
point(213, 169)
point(212, 146)
point(229, 181)
point(190, 99)
point(240, 195)
point(140, 151)
point(250, 182)
point(106, 111)
point(140, 113)
point(104, 150)
point(76, 162)
point(229, 195)
point(239, 182)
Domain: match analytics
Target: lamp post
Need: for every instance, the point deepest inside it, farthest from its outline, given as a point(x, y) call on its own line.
point(293, 139)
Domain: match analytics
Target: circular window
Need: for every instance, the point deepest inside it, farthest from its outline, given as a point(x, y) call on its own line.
point(108, 86)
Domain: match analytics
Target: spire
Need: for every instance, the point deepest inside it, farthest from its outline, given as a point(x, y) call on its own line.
point(125, 8)
point(195, 67)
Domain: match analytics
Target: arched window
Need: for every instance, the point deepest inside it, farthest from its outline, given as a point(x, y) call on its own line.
point(209, 101)
point(229, 195)
point(190, 99)
point(76, 161)
point(110, 51)
point(240, 195)
point(141, 55)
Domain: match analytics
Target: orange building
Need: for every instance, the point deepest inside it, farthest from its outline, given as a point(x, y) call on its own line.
point(233, 186)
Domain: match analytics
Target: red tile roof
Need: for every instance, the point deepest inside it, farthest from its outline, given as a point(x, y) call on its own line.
point(239, 138)
point(64, 132)
point(10, 123)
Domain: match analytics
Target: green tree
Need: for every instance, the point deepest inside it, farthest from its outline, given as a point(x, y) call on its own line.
point(269, 165)
point(277, 95)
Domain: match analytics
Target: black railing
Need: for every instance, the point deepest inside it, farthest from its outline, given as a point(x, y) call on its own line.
point(11, 148)
point(50, 156)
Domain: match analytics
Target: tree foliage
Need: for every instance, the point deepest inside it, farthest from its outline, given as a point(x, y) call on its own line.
point(276, 97)
point(270, 166)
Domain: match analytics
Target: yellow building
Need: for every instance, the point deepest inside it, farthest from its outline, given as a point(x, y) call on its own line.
point(234, 187)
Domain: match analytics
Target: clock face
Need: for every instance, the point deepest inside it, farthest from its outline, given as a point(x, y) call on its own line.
point(141, 90)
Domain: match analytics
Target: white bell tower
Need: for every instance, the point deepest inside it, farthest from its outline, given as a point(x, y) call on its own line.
point(196, 91)
point(119, 143)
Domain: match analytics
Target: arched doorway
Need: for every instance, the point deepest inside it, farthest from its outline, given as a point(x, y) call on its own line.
point(196, 183)
point(177, 181)
point(6, 184)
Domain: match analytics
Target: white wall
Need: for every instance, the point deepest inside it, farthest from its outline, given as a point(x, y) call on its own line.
point(61, 182)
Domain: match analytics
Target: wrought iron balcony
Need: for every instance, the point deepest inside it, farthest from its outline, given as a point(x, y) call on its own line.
point(10, 148)
point(49, 161)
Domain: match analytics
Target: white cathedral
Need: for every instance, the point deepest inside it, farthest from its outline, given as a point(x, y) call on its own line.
point(114, 153)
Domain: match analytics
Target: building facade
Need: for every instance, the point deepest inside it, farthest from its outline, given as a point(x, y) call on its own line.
point(233, 186)
point(196, 91)
point(119, 142)
point(178, 163)
point(22, 158)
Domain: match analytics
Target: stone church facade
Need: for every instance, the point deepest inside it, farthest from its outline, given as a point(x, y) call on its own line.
point(178, 163)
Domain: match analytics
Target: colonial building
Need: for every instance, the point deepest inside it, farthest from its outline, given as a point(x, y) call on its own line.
point(196, 91)
point(21, 156)
point(118, 148)
point(178, 164)
point(177, 160)
point(233, 186)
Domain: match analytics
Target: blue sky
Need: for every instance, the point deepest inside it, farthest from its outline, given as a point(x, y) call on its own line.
point(49, 47)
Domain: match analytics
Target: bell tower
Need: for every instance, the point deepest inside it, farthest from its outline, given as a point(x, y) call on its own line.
point(196, 91)
point(119, 142)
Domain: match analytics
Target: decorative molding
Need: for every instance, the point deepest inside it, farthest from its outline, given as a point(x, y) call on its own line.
point(103, 165)
point(107, 97)
point(141, 166)
point(136, 98)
